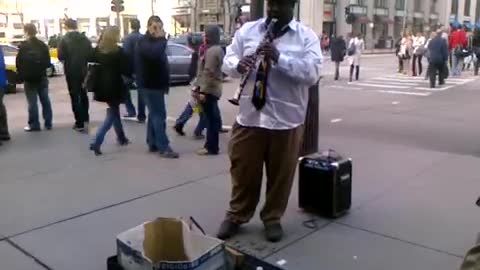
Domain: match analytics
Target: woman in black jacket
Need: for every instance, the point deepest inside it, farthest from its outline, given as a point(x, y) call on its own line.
point(338, 49)
point(109, 86)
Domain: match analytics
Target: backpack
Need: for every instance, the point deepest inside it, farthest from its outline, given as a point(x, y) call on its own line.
point(34, 66)
point(352, 49)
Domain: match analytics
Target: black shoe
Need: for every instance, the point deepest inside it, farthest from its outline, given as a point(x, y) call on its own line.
point(227, 230)
point(79, 129)
point(152, 149)
point(179, 130)
point(5, 138)
point(123, 142)
point(198, 137)
point(224, 130)
point(169, 154)
point(96, 150)
point(274, 232)
point(48, 127)
point(30, 129)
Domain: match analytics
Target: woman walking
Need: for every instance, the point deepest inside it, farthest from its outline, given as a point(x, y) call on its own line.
point(356, 47)
point(109, 87)
point(153, 79)
point(418, 52)
point(406, 52)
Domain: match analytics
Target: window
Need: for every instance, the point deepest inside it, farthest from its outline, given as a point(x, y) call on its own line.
point(399, 4)
point(454, 8)
point(174, 50)
point(18, 26)
point(466, 11)
point(433, 6)
point(381, 3)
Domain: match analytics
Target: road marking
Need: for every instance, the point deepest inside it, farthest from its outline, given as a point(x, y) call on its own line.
point(433, 89)
point(336, 120)
point(346, 87)
point(391, 82)
point(382, 85)
point(405, 93)
point(395, 103)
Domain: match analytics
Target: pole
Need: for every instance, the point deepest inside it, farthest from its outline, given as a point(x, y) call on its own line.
point(118, 20)
point(256, 9)
point(405, 14)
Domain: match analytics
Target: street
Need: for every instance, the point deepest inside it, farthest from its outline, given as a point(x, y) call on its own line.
point(416, 178)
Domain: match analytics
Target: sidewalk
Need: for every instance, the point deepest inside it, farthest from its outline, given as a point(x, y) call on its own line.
point(63, 207)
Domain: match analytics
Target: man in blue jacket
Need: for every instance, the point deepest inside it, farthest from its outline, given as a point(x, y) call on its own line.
point(4, 134)
point(129, 45)
point(438, 50)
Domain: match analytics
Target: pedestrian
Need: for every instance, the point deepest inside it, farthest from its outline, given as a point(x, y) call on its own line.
point(32, 61)
point(325, 42)
point(129, 45)
point(75, 50)
point(458, 42)
point(109, 86)
point(406, 52)
point(418, 52)
point(153, 80)
point(192, 103)
point(338, 51)
point(269, 126)
point(398, 46)
point(427, 51)
point(4, 134)
point(476, 49)
point(209, 82)
point(438, 51)
point(355, 50)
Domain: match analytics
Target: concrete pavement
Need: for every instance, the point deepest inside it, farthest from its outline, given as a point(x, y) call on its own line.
point(415, 183)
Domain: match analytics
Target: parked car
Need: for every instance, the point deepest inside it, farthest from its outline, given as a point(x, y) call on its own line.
point(194, 40)
point(180, 59)
point(10, 53)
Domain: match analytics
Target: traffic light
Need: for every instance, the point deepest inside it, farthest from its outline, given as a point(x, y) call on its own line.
point(117, 6)
point(349, 17)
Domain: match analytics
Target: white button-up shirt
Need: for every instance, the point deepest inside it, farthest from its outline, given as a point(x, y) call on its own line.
point(298, 68)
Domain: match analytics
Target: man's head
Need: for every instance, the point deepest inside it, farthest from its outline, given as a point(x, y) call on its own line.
point(135, 25)
point(30, 30)
point(283, 10)
point(71, 24)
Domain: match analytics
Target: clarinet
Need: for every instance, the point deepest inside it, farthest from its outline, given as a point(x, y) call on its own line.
point(243, 81)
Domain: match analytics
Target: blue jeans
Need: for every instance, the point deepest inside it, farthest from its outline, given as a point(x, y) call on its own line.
point(140, 105)
point(212, 115)
point(35, 91)
point(111, 119)
point(186, 115)
point(157, 120)
point(456, 71)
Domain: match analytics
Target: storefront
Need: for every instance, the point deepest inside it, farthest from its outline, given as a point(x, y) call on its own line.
point(329, 26)
point(380, 32)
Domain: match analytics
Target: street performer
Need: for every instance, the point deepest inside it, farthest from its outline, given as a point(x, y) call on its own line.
point(273, 105)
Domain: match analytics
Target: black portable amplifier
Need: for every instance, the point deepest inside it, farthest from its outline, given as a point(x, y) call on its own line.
point(325, 184)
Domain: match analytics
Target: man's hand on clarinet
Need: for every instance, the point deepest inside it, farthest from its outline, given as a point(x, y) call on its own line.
point(270, 51)
point(245, 64)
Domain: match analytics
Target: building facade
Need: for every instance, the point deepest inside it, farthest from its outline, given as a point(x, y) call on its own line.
point(382, 21)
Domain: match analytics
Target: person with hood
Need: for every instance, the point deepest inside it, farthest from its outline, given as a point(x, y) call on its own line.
point(4, 134)
point(129, 45)
point(153, 80)
point(109, 86)
point(438, 56)
point(32, 61)
point(209, 82)
point(338, 51)
point(74, 51)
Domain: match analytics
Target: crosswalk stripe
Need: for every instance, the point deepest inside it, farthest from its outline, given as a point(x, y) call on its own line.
point(433, 89)
point(381, 85)
point(386, 80)
point(405, 93)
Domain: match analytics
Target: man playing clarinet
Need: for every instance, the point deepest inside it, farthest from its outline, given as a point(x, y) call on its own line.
point(269, 126)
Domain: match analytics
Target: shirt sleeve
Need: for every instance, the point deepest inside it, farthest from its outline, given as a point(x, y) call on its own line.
point(233, 56)
point(305, 70)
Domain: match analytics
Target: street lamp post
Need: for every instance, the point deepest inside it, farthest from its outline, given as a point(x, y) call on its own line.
point(405, 14)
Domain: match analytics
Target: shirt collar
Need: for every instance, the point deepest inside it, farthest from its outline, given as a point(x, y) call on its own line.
point(292, 24)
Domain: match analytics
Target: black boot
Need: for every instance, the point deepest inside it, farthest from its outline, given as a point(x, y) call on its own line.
point(357, 73)
point(227, 230)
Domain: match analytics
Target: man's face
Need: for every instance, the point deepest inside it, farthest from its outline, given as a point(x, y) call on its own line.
point(280, 9)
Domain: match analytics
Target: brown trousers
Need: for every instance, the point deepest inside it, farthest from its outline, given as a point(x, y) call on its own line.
point(249, 150)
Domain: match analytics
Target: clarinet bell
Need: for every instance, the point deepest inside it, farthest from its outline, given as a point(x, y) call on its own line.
point(235, 100)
